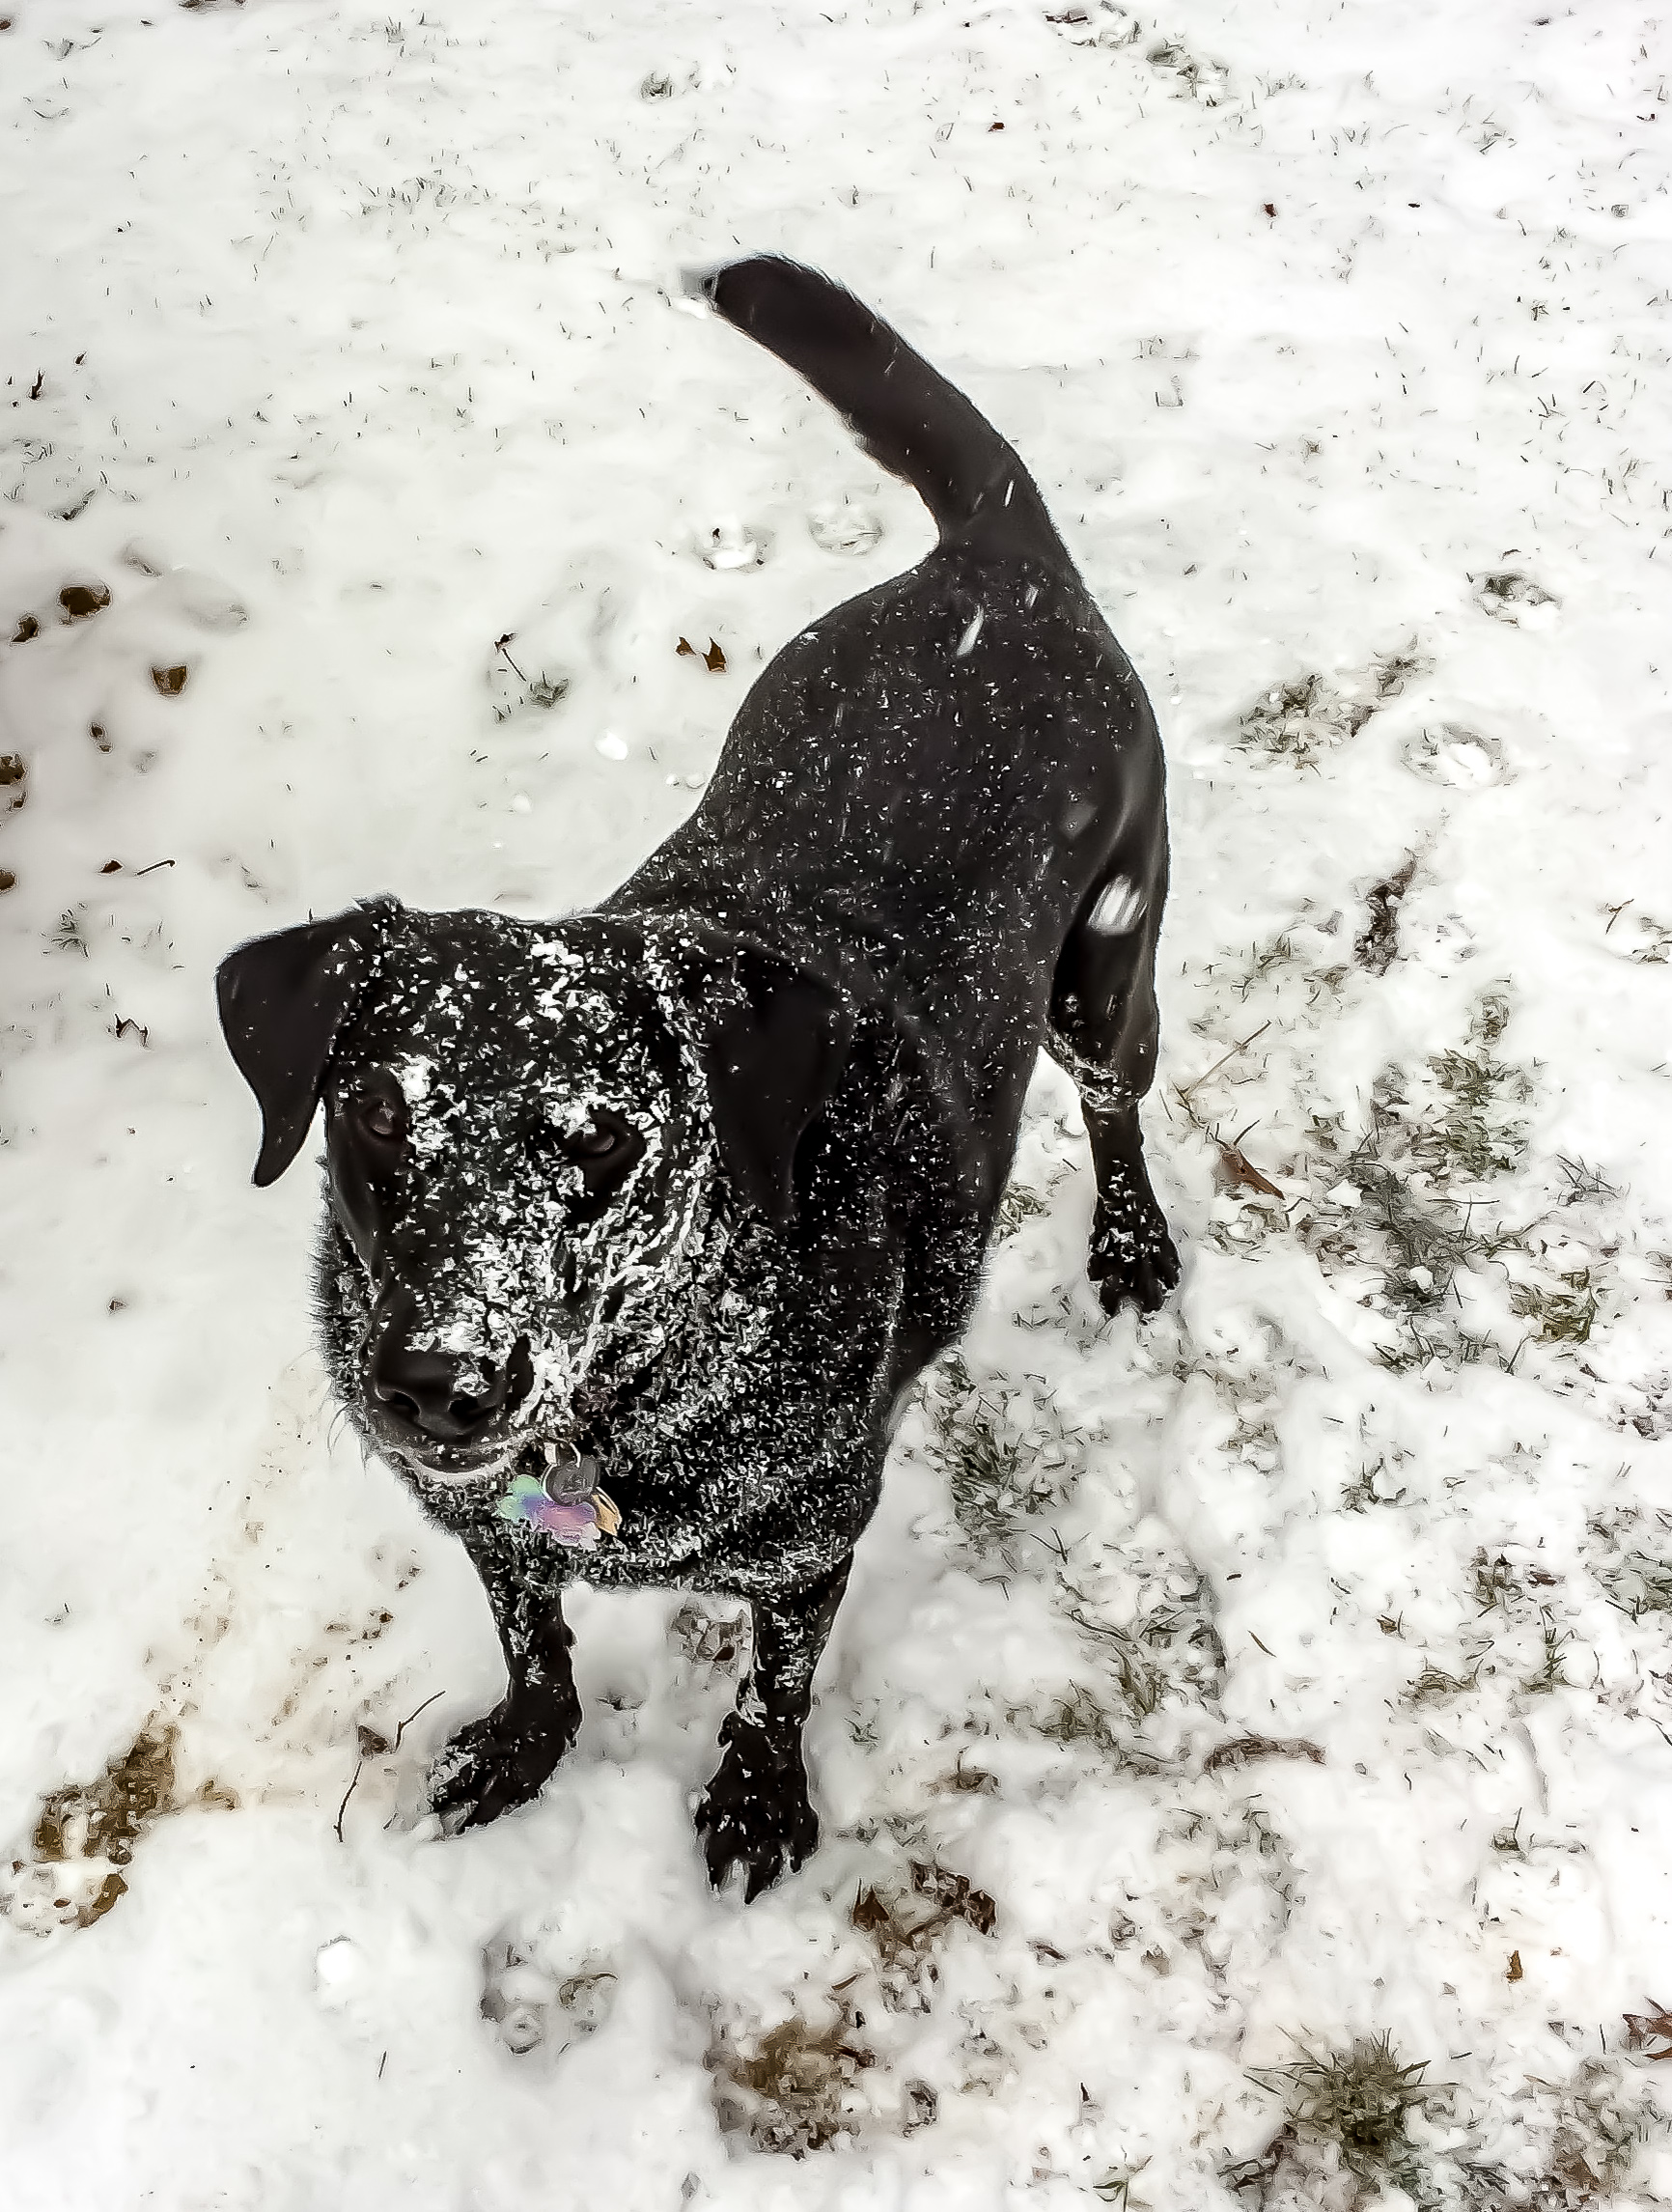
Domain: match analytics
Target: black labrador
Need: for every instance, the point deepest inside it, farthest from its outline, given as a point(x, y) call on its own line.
point(640, 1223)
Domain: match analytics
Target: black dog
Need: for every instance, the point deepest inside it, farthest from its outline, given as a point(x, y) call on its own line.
point(641, 1222)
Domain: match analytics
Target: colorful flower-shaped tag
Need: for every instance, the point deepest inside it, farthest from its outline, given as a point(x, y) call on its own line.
point(578, 1521)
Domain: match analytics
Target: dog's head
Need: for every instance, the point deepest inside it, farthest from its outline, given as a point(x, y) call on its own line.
point(528, 1127)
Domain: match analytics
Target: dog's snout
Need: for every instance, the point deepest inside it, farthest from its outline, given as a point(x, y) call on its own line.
point(446, 1400)
point(426, 1389)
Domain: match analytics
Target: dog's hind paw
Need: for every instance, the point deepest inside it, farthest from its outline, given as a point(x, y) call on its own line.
point(490, 1766)
point(760, 1822)
point(1131, 1262)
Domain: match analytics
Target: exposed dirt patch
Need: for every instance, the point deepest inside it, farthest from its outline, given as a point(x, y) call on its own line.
point(85, 1834)
point(78, 601)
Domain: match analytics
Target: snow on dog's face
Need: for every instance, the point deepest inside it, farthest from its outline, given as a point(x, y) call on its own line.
point(526, 1124)
point(519, 1162)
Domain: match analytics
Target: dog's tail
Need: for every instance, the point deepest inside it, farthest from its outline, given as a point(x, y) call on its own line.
point(904, 414)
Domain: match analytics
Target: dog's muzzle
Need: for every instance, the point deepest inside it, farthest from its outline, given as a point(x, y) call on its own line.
point(449, 1412)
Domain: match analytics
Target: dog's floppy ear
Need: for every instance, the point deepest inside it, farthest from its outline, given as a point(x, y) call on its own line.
point(773, 1051)
point(283, 999)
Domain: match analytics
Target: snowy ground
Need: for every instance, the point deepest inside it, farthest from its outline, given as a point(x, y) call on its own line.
point(1284, 1674)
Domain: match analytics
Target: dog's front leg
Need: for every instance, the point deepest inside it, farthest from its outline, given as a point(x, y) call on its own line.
point(755, 1813)
point(503, 1759)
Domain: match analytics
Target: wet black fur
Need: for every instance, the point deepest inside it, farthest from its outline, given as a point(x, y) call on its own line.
point(934, 842)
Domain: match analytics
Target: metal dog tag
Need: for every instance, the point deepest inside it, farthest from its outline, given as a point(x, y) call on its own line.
point(565, 1503)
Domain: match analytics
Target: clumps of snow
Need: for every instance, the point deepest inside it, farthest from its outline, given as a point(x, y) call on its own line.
point(1635, 935)
point(713, 1634)
point(1580, 2141)
point(842, 2068)
point(537, 1995)
point(732, 543)
point(1575, 2143)
point(1633, 1563)
point(1454, 753)
point(845, 526)
point(792, 2087)
point(339, 1968)
point(1110, 25)
point(1301, 719)
point(1311, 715)
point(1192, 77)
point(1511, 597)
point(1417, 1202)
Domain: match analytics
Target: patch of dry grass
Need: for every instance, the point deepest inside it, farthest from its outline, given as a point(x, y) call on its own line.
point(793, 2088)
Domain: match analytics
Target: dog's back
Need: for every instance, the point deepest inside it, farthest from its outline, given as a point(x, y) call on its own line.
point(932, 780)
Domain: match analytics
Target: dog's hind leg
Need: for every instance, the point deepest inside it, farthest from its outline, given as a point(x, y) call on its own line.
point(504, 1759)
point(756, 1812)
point(1103, 1032)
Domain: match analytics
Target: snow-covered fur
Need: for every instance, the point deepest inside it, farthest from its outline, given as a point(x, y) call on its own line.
point(688, 1189)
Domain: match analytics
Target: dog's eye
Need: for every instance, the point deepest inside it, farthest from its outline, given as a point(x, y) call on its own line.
point(604, 1148)
point(597, 1141)
point(382, 1118)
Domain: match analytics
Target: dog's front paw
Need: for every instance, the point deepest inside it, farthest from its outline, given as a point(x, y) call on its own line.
point(490, 1766)
point(756, 1815)
point(1133, 1261)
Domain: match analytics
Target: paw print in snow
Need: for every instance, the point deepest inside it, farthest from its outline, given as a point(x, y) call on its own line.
point(729, 544)
point(840, 526)
point(530, 2002)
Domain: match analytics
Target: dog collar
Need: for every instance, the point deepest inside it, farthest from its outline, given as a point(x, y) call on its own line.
point(565, 1503)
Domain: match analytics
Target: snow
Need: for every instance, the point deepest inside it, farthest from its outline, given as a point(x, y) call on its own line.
point(341, 354)
point(1119, 904)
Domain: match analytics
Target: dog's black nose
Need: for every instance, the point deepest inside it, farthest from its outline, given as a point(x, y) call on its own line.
point(448, 1400)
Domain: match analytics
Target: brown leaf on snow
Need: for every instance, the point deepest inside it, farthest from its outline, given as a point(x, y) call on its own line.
point(101, 1901)
point(870, 1913)
point(1242, 1174)
point(714, 661)
point(1642, 2028)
